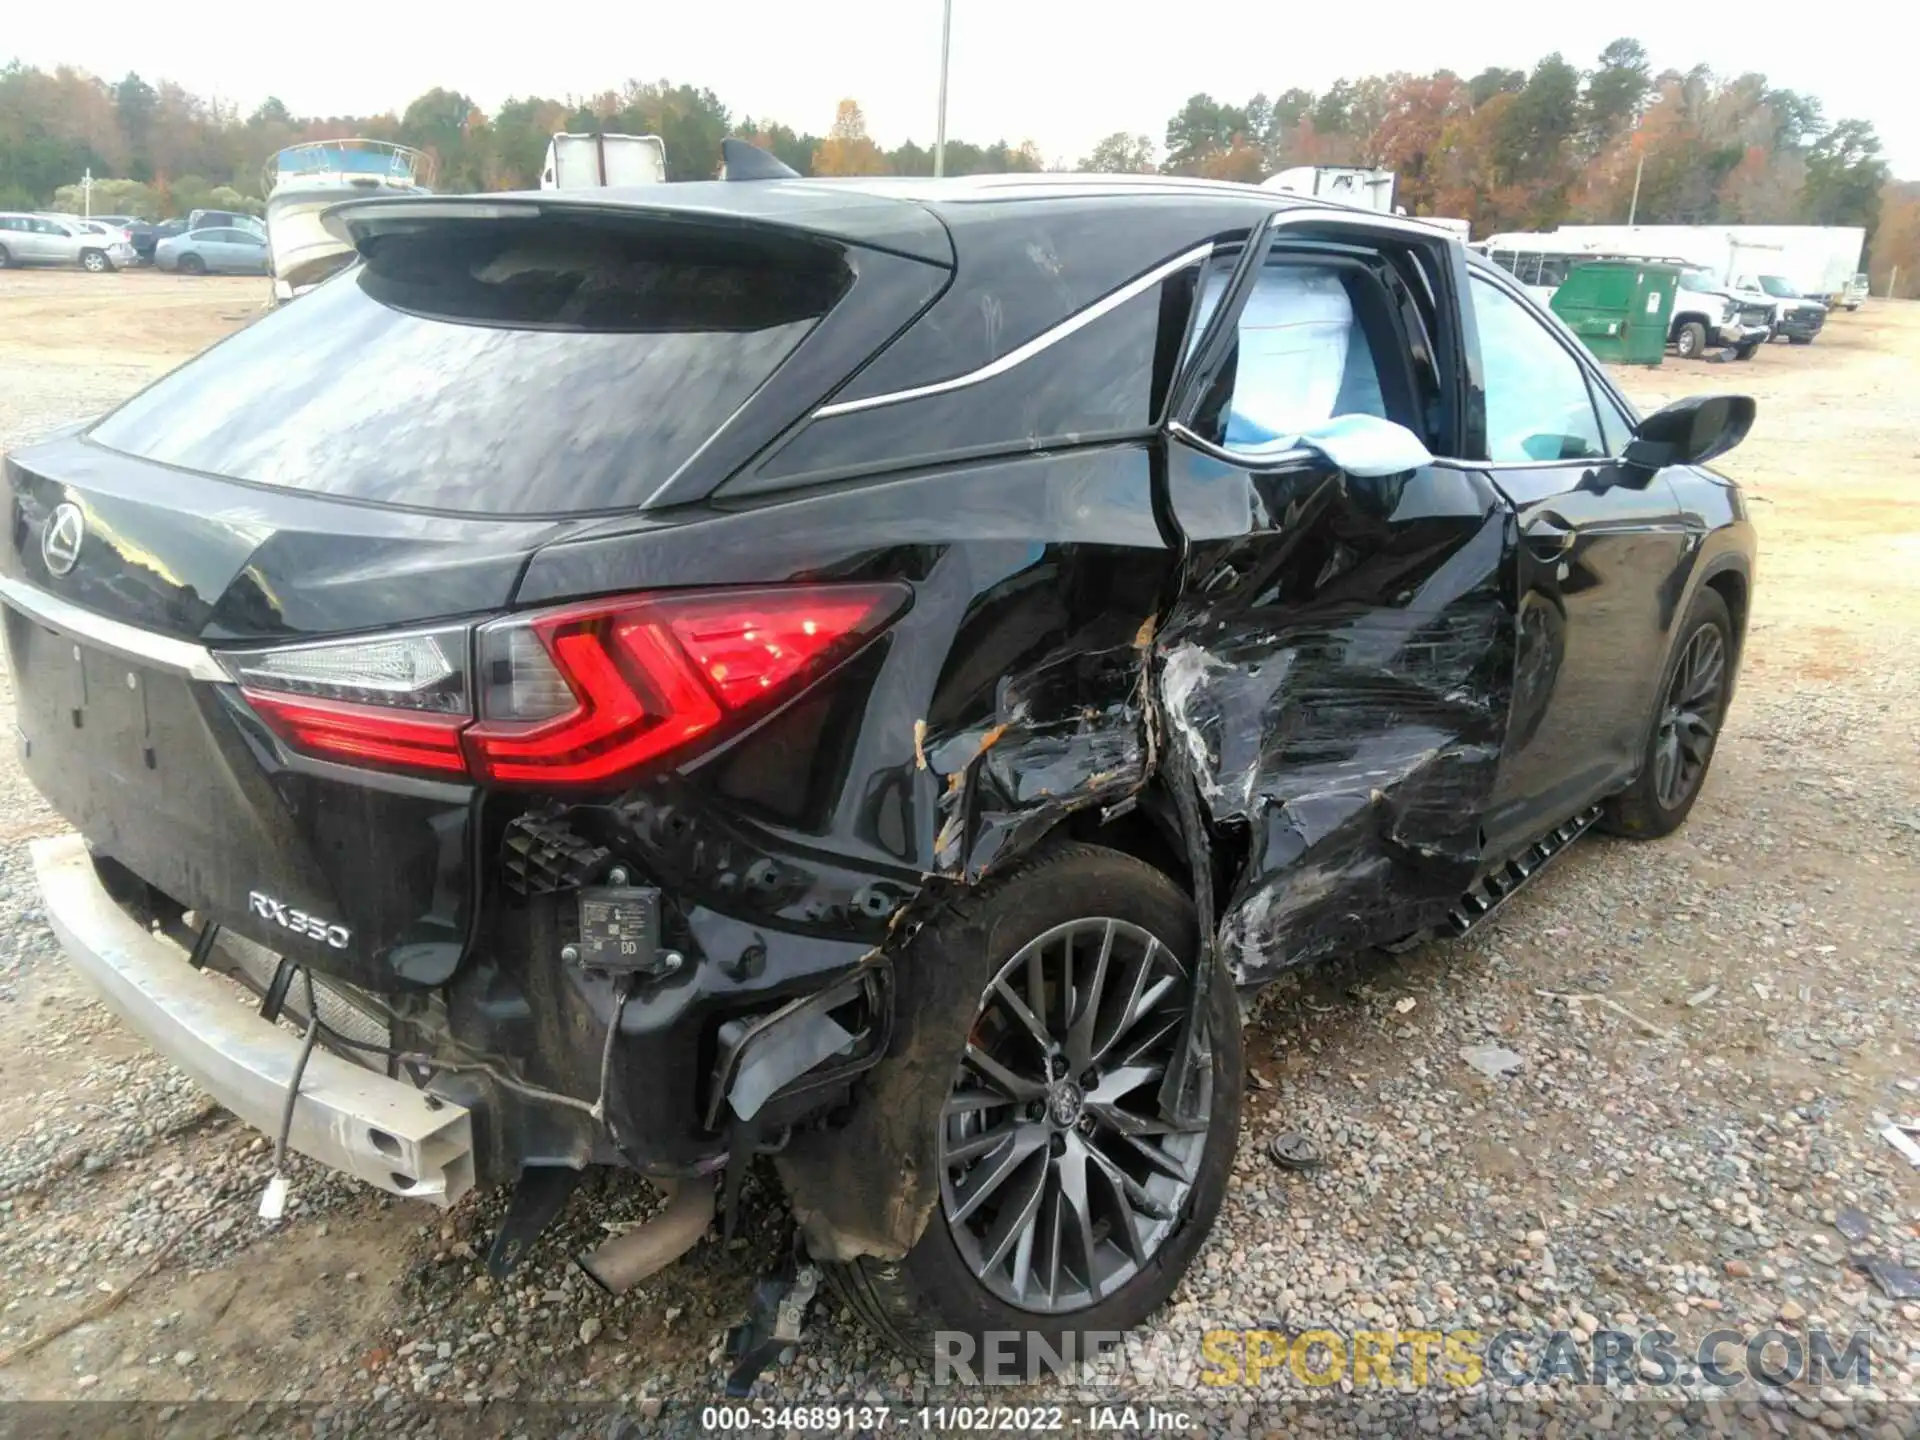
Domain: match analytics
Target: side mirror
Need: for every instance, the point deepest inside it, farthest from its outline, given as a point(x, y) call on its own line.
point(1691, 431)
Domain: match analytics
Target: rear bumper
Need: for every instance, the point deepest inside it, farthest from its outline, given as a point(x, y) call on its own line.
point(383, 1131)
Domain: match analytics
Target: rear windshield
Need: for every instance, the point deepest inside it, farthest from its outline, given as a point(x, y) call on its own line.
point(529, 367)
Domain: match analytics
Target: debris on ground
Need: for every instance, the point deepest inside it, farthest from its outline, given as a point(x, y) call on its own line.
point(1853, 1224)
point(1905, 1139)
point(1492, 1061)
point(1897, 1281)
point(1291, 1150)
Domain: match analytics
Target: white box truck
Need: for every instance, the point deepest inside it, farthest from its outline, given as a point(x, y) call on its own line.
point(1344, 184)
point(1818, 261)
point(587, 162)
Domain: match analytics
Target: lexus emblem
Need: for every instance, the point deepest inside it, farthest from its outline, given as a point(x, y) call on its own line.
point(60, 541)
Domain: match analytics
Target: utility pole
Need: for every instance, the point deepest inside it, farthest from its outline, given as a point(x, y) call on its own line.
point(940, 125)
point(1634, 208)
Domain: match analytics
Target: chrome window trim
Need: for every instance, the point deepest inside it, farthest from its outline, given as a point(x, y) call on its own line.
point(1045, 340)
point(196, 662)
point(1240, 460)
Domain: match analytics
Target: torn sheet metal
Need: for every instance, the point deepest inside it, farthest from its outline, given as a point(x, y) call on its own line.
point(1066, 732)
point(1338, 678)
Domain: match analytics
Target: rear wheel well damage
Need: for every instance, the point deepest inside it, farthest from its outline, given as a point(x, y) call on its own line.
point(1146, 827)
point(867, 1183)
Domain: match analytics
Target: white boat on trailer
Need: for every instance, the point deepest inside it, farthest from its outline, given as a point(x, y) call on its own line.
point(303, 180)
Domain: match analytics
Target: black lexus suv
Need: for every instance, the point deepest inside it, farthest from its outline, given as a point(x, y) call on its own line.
point(860, 672)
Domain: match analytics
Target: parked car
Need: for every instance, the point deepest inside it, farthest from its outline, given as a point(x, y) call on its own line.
point(136, 231)
point(231, 219)
point(656, 684)
point(50, 240)
point(1858, 288)
point(213, 250)
point(146, 241)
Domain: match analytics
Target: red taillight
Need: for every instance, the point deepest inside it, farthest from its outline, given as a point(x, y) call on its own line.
point(646, 676)
point(364, 734)
point(577, 696)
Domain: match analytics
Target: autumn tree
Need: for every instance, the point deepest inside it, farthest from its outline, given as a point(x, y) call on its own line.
point(1121, 154)
point(848, 150)
point(1201, 128)
point(1615, 91)
point(134, 103)
point(1410, 133)
point(1844, 176)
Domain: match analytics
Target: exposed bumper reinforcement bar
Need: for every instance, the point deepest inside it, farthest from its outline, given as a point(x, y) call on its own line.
point(383, 1131)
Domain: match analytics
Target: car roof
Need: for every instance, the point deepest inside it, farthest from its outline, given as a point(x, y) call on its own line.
point(912, 216)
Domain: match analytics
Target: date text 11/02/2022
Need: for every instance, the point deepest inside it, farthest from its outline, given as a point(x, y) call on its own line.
point(942, 1419)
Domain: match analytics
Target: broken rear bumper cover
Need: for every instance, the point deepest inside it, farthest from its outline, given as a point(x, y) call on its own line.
point(383, 1131)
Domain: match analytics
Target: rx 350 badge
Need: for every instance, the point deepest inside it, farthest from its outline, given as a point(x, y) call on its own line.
point(298, 921)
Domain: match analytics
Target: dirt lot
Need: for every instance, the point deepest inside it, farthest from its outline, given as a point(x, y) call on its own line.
point(1675, 1154)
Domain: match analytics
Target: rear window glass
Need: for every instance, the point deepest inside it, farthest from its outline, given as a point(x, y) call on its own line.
point(516, 368)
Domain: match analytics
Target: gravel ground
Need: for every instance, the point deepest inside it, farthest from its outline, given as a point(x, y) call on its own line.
point(1709, 1032)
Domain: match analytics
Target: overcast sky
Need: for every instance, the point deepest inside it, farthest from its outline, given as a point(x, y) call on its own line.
point(1062, 73)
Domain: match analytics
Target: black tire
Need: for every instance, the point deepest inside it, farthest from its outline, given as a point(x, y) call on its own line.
point(1642, 811)
point(1746, 351)
point(933, 1289)
point(191, 264)
point(6, 257)
point(1800, 339)
point(95, 262)
point(1691, 340)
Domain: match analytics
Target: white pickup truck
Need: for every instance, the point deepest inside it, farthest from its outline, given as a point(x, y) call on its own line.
point(1795, 316)
point(1707, 311)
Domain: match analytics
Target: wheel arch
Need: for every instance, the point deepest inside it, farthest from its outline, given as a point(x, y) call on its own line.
point(1735, 587)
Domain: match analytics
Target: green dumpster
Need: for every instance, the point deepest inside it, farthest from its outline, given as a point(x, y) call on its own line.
point(1620, 308)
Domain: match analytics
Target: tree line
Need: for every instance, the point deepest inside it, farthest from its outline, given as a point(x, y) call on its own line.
point(1527, 150)
point(1505, 149)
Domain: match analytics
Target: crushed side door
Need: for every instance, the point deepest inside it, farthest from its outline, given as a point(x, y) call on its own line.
point(1337, 669)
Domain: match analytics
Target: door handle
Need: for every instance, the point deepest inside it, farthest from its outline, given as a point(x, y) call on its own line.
point(1548, 538)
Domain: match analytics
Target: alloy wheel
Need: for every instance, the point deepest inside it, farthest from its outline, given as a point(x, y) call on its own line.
point(1691, 713)
point(1059, 1179)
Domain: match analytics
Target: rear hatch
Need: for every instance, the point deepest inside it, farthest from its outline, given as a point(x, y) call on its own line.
point(321, 511)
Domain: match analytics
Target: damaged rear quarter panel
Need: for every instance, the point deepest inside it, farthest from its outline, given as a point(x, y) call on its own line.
point(1009, 694)
point(1338, 674)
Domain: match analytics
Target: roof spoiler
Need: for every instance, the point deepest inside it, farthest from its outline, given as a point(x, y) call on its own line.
point(741, 160)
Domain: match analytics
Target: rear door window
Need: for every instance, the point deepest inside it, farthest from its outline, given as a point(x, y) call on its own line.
point(546, 367)
point(1314, 341)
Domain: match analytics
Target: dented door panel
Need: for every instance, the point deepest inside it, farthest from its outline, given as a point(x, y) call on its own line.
point(1338, 672)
